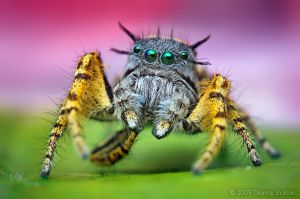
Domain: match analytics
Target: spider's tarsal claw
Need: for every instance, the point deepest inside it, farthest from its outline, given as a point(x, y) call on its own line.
point(161, 129)
point(257, 163)
point(81, 146)
point(275, 154)
point(45, 173)
point(196, 170)
point(255, 158)
point(85, 156)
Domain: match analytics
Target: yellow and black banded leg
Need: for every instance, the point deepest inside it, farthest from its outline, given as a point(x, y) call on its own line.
point(244, 117)
point(114, 148)
point(240, 128)
point(56, 133)
point(210, 115)
point(89, 96)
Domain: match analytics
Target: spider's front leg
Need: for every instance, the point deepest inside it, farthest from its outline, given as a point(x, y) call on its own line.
point(211, 114)
point(90, 96)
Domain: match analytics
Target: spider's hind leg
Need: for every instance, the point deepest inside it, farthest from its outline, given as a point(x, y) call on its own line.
point(239, 126)
point(114, 148)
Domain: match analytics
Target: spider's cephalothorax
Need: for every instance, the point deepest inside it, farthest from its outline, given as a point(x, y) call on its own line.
point(163, 83)
point(160, 83)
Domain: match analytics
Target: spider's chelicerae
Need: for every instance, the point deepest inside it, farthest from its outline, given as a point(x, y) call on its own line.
point(163, 83)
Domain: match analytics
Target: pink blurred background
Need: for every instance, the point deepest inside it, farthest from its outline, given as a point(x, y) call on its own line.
point(255, 43)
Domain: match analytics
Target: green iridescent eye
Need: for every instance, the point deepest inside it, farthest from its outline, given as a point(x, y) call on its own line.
point(183, 55)
point(137, 49)
point(150, 55)
point(168, 58)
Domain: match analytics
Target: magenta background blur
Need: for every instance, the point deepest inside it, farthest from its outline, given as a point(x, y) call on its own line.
point(255, 43)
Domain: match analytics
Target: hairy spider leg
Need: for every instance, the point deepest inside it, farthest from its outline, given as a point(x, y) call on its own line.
point(210, 115)
point(114, 148)
point(244, 117)
point(89, 96)
point(56, 133)
point(239, 126)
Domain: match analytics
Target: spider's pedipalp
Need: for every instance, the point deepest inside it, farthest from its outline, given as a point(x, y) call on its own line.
point(169, 113)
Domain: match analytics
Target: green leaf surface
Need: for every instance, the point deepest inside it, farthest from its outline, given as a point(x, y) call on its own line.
point(153, 169)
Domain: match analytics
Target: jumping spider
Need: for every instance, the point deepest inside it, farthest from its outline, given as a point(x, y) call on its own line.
point(161, 84)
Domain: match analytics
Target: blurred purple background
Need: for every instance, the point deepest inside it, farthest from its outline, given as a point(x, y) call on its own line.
point(255, 43)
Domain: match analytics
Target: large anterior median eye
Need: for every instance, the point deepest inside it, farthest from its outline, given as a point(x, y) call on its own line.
point(136, 48)
point(150, 55)
point(167, 58)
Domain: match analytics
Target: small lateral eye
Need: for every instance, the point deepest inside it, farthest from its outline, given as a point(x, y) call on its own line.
point(167, 58)
point(136, 48)
point(183, 55)
point(150, 55)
